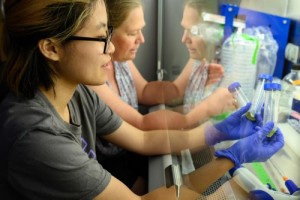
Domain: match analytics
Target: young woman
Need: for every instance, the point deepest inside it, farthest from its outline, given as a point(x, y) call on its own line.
point(49, 119)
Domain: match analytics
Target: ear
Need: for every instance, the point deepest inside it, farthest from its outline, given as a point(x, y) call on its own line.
point(49, 48)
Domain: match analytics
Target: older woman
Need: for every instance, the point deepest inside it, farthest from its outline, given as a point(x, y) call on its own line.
point(126, 88)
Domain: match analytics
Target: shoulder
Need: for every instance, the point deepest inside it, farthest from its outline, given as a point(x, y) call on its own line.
point(22, 114)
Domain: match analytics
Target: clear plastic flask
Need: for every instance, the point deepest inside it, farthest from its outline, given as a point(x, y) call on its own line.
point(258, 99)
point(236, 89)
point(271, 104)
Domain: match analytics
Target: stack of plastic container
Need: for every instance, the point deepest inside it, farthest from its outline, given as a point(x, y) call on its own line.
point(239, 59)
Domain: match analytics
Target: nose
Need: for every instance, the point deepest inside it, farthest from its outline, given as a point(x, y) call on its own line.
point(185, 36)
point(111, 48)
point(141, 38)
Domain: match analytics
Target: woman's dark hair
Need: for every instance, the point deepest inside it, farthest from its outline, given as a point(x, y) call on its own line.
point(23, 24)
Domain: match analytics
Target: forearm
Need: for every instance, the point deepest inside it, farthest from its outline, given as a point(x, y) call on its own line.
point(161, 92)
point(200, 113)
point(200, 179)
point(173, 141)
point(165, 119)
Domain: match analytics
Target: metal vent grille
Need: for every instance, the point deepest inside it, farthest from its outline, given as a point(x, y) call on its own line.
point(219, 190)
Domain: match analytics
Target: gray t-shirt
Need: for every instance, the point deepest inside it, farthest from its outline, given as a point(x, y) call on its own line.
point(42, 157)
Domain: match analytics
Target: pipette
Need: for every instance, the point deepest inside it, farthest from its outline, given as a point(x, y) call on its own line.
point(257, 191)
point(291, 186)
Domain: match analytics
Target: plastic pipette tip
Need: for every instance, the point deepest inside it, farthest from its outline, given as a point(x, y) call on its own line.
point(291, 186)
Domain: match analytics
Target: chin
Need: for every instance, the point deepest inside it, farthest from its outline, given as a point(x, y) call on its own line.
point(196, 56)
point(132, 55)
point(193, 56)
point(99, 81)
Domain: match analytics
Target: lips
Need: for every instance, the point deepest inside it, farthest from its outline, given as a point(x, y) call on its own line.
point(192, 50)
point(105, 66)
point(134, 50)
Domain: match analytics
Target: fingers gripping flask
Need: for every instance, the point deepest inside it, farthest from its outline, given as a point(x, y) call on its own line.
point(236, 89)
point(258, 99)
point(271, 103)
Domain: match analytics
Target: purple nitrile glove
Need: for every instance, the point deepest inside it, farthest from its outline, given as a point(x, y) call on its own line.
point(254, 148)
point(234, 127)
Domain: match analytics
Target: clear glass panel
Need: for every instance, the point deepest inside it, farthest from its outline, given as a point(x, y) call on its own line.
point(256, 37)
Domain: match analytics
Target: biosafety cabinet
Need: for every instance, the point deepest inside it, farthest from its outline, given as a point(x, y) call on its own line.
point(163, 56)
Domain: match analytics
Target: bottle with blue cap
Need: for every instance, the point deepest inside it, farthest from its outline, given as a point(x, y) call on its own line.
point(258, 99)
point(271, 104)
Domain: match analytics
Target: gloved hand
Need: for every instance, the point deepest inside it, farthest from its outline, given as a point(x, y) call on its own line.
point(234, 127)
point(254, 148)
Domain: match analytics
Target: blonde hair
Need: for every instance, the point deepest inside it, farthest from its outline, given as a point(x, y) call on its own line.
point(202, 5)
point(118, 10)
point(23, 24)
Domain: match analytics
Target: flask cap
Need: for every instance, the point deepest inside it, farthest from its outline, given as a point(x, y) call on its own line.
point(272, 86)
point(232, 87)
point(267, 77)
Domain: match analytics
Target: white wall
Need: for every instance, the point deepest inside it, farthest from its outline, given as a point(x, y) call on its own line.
point(293, 9)
point(284, 8)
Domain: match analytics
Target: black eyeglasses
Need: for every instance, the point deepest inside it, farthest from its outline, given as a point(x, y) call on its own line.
point(106, 39)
